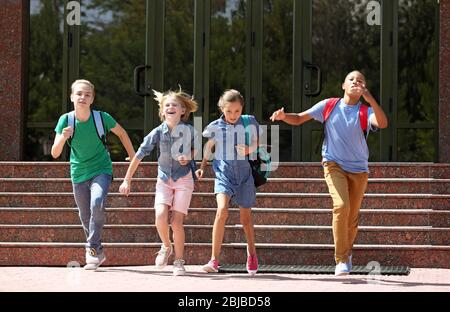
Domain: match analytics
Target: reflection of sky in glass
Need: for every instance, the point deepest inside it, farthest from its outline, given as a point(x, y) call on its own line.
point(95, 17)
point(230, 7)
point(35, 6)
point(90, 16)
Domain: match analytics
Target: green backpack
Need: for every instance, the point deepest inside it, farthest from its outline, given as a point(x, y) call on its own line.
point(260, 175)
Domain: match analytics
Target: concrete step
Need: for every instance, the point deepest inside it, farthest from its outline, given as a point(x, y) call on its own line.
point(286, 234)
point(275, 185)
point(263, 200)
point(284, 170)
point(130, 254)
point(205, 216)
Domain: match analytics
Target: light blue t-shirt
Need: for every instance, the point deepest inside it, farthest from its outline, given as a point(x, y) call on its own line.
point(344, 141)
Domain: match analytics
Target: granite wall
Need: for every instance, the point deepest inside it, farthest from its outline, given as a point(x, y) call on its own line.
point(13, 77)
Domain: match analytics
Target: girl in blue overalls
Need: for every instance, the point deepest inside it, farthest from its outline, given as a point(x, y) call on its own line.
point(234, 178)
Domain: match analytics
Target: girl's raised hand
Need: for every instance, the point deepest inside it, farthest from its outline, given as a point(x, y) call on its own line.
point(125, 188)
point(199, 173)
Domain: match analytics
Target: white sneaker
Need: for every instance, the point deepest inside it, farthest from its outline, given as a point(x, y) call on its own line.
point(163, 256)
point(341, 269)
point(93, 260)
point(178, 267)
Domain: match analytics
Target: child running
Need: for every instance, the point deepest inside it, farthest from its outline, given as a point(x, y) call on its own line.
point(175, 140)
point(90, 163)
point(345, 156)
point(233, 174)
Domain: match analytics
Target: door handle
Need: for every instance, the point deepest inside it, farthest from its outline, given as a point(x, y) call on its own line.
point(137, 81)
point(318, 89)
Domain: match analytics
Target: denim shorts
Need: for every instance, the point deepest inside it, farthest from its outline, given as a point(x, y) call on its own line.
point(236, 182)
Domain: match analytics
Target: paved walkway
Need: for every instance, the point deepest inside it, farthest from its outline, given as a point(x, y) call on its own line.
point(148, 279)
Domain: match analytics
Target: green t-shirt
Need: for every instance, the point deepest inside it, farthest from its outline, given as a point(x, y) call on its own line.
point(88, 155)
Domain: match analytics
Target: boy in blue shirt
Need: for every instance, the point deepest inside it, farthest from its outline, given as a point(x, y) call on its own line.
point(344, 157)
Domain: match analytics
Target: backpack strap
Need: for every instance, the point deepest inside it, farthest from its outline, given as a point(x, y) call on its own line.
point(363, 119)
point(71, 123)
point(246, 122)
point(98, 122)
point(329, 106)
point(363, 114)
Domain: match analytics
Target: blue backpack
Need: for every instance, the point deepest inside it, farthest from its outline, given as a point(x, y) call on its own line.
point(260, 175)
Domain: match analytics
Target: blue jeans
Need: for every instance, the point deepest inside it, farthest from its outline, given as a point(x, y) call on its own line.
point(90, 197)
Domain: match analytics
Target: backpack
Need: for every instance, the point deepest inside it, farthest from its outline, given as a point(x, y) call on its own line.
point(331, 104)
point(98, 122)
point(260, 175)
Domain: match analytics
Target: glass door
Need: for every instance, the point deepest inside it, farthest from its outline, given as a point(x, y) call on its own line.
point(227, 51)
point(286, 53)
point(341, 40)
point(394, 43)
point(277, 72)
point(112, 44)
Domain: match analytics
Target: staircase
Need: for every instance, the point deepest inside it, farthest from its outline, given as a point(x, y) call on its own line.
point(405, 218)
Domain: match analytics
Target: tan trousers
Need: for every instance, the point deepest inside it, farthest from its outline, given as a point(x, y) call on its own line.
point(347, 191)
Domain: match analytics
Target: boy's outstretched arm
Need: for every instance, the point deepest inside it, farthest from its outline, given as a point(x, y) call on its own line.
point(125, 139)
point(290, 118)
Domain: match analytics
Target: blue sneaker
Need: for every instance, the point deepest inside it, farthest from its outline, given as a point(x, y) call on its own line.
point(341, 269)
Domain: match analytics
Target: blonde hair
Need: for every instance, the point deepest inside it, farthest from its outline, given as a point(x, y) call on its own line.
point(230, 96)
point(187, 101)
point(86, 82)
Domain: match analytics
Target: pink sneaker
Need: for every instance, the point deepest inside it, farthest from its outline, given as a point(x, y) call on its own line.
point(252, 264)
point(211, 267)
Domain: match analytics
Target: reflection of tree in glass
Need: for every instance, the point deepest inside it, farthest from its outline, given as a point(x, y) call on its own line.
point(417, 74)
point(342, 41)
point(179, 45)
point(112, 45)
point(417, 56)
point(277, 57)
point(227, 52)
point(45, 65)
